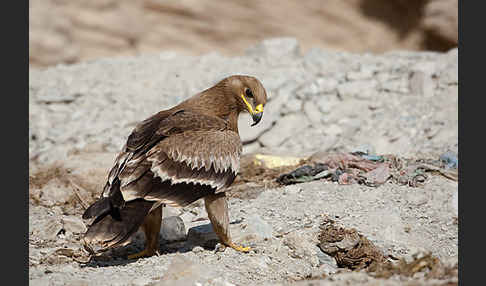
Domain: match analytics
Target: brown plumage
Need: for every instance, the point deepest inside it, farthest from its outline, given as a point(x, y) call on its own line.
point(176, 157)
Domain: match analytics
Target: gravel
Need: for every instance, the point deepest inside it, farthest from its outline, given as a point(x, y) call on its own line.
point(401, 103)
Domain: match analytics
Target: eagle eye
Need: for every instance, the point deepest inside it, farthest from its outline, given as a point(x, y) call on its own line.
point(248, 93)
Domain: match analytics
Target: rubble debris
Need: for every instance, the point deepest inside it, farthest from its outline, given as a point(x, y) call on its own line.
point(429, 265)
point(354, 251)
point(370, 170)
point(349, 248)
point(450, 159)
point(304, 174)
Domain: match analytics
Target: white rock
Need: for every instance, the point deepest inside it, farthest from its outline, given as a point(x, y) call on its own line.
point(256, 228)
point(73, 224)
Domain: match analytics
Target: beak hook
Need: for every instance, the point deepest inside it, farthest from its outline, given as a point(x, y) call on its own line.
point(257, 117)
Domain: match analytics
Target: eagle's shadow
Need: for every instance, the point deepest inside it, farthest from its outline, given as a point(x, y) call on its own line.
point(118, 256)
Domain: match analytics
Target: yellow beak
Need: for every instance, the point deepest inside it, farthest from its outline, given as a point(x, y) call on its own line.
point(255, 114)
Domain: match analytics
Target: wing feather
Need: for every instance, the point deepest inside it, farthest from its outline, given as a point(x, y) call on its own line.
point(178, 148)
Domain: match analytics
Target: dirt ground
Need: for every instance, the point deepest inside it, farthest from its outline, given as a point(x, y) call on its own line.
point(363, 219)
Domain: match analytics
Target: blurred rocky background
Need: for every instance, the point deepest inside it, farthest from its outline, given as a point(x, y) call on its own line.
point(63, 31)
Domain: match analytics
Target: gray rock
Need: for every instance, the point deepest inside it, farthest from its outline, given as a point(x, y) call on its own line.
point(173, 229)
point(301, 247)
point(202, 235)
point(450, 159)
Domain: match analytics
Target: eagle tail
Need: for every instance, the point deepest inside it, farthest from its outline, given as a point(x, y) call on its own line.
point(99, 208)
point(109, 230)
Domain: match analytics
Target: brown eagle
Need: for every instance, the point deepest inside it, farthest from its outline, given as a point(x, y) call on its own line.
point(174, 158)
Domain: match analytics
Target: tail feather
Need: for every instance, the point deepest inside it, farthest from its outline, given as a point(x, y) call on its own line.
point(108, 231)
point(99, 208)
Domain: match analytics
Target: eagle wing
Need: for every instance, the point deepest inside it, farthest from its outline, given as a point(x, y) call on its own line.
point(176, 159)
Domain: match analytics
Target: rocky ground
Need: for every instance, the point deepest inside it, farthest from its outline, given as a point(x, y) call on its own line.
point(319, 232)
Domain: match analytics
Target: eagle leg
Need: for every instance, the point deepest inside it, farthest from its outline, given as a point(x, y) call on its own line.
point(217, 208)
point(151, 229)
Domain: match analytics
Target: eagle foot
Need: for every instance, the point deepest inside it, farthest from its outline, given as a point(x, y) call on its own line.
point(239, 248)
point(144, 253)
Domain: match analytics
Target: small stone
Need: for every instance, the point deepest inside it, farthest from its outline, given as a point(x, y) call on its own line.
point(141, 281)
point(365, 149)
point(257, 228)
point(301, 248)
point(450, 159)
point(173, 229)
point(325, 259)
point(197, 249)
point(53, 227)
point(73, 224)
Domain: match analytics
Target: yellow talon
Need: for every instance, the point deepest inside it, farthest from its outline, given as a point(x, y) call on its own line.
point(140, 254)
point(240, 248)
